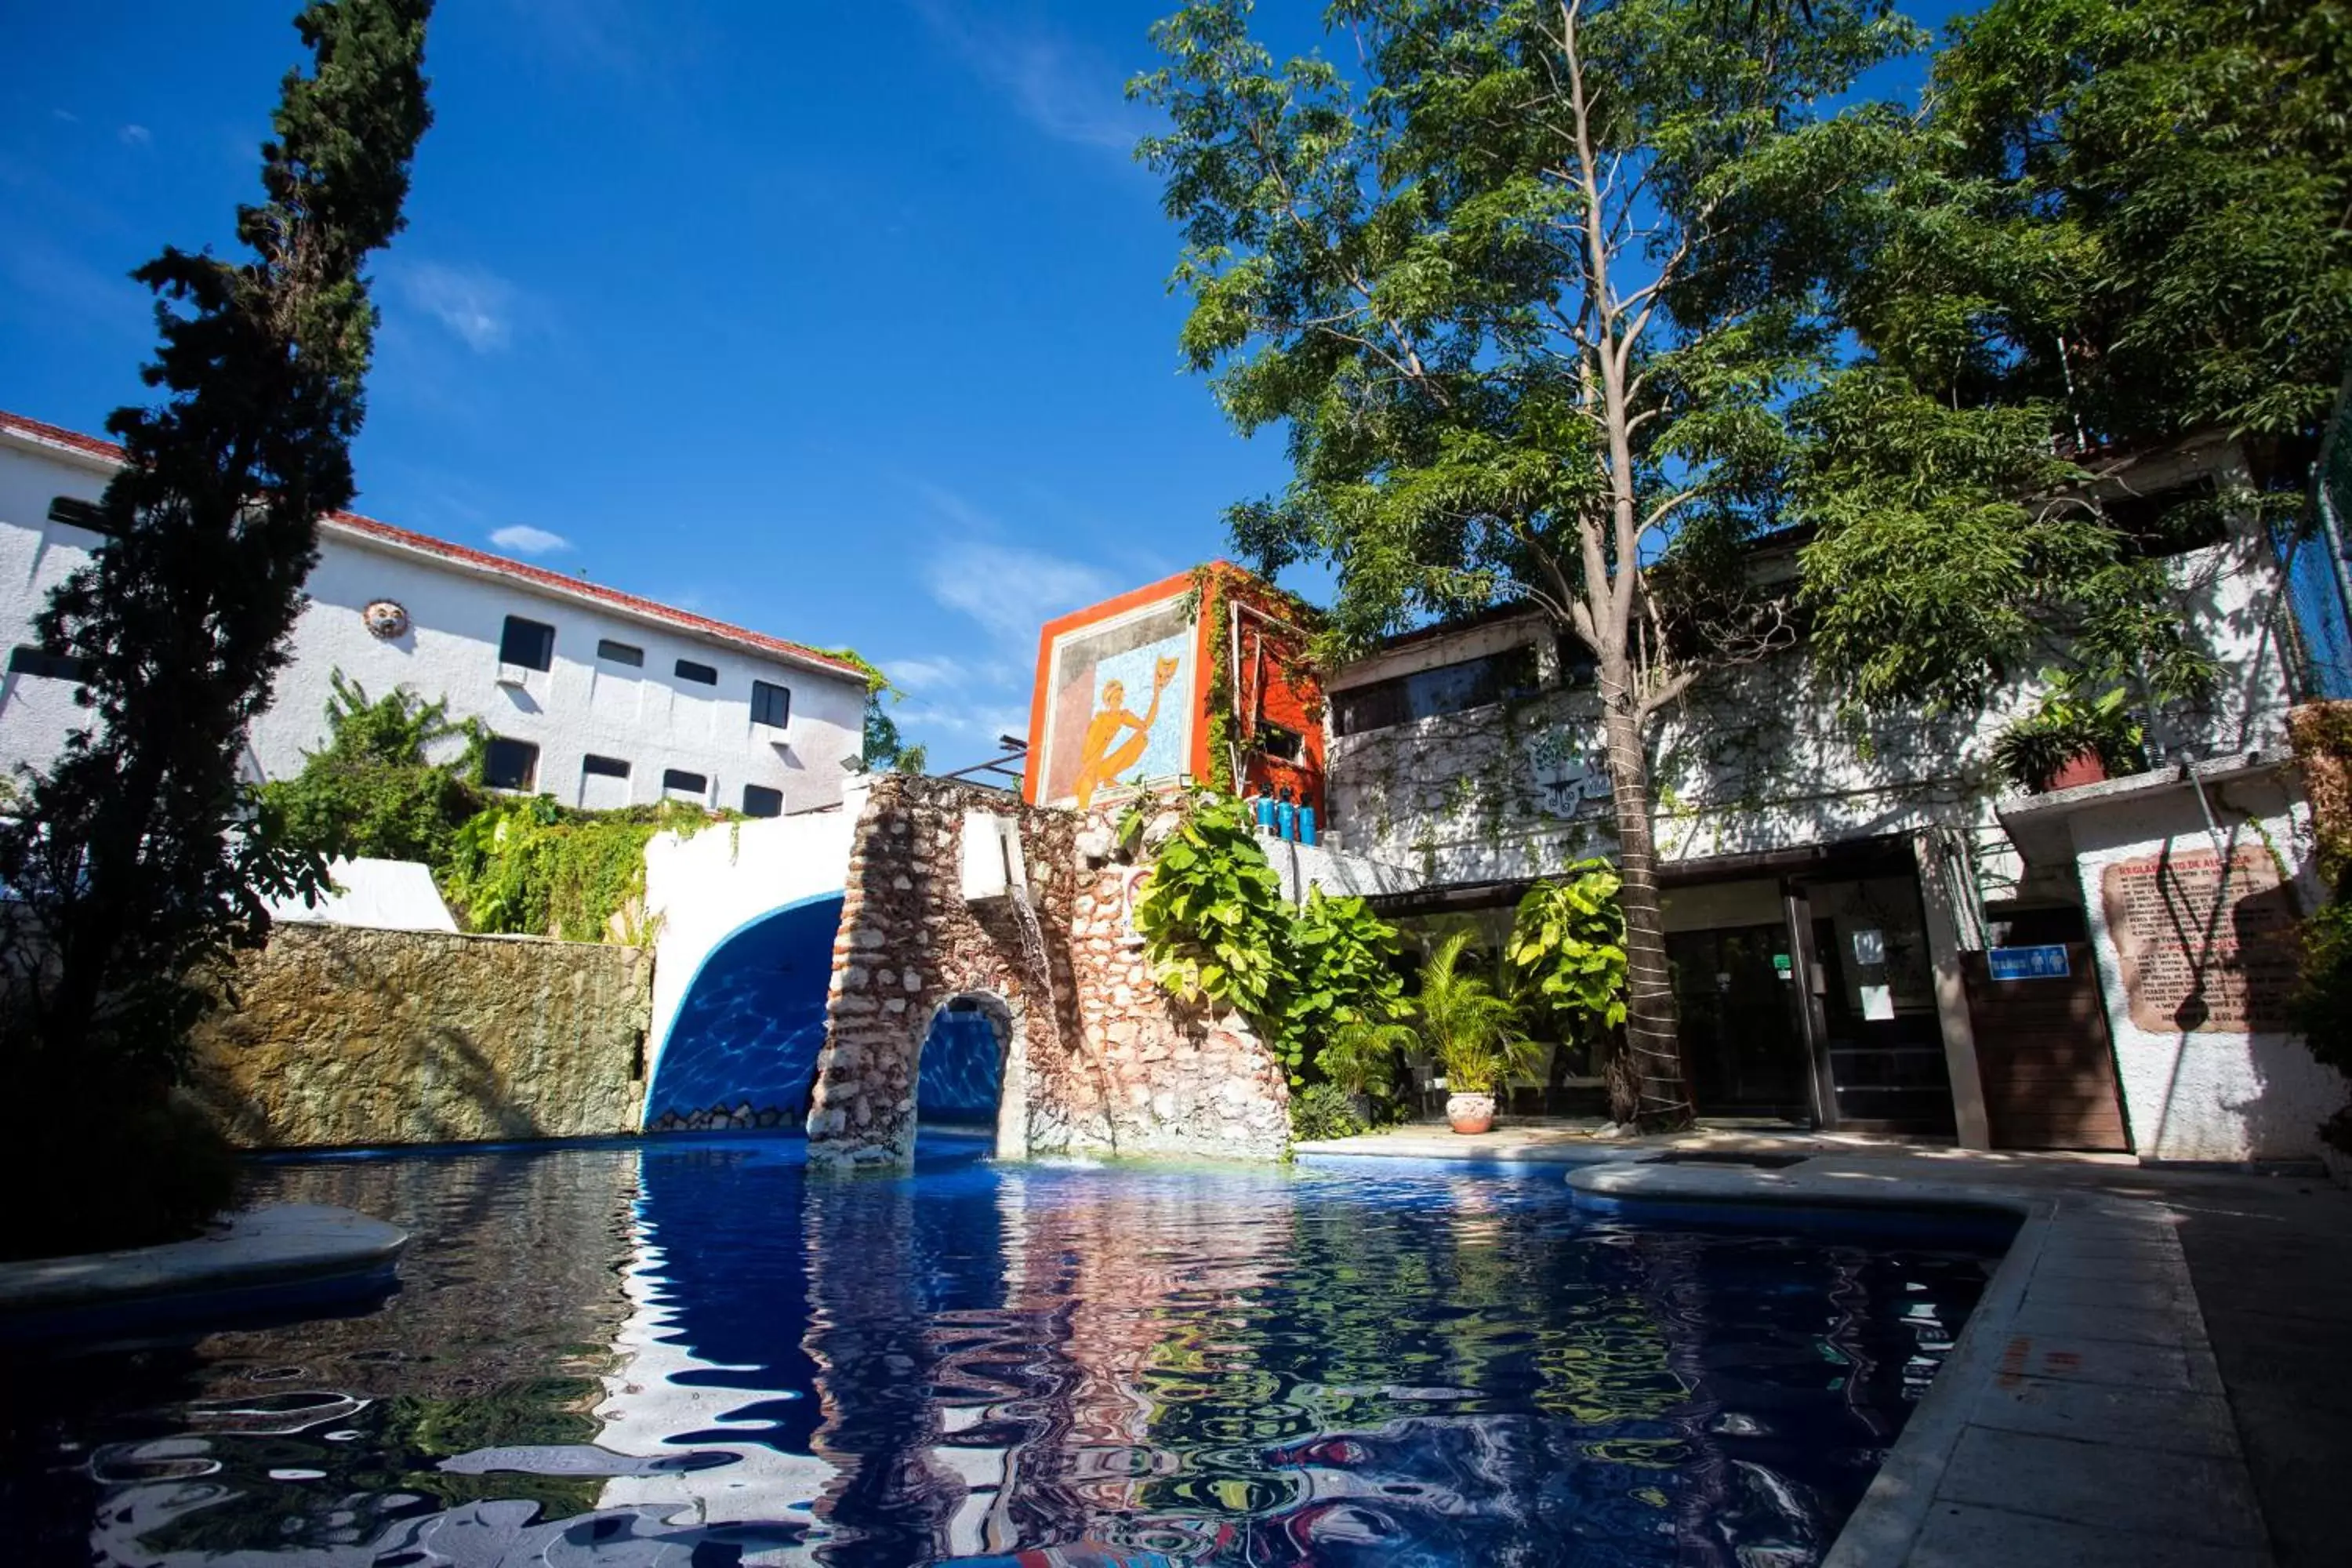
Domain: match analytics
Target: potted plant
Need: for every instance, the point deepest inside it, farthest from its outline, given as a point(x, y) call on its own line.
point(1361, 1058)
point(1473, 1035)
point(2070, 738)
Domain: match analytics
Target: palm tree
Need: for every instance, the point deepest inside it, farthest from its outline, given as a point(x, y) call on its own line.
point(1361, 1057)
point(1473, 1032)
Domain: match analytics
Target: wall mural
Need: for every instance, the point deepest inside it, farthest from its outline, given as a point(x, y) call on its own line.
point(1121, 704)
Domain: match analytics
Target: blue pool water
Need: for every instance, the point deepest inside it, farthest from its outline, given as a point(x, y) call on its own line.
point(691, 1353)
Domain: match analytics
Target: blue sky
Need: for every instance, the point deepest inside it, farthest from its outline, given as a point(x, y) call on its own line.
point(845, 322)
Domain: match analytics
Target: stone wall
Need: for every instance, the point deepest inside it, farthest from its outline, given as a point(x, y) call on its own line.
point(1096, 1058)
point(343, 1035)
point(1174, 1082)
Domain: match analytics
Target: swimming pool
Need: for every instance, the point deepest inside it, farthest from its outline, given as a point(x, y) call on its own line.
point(691, 1352)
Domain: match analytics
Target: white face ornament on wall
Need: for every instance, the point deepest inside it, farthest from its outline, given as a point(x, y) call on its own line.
point(386, 620)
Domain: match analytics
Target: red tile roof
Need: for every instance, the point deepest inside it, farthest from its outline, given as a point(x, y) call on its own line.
point(557, 582)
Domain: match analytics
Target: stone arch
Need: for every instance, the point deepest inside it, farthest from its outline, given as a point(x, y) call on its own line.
point(910, 942)
point(1008, 1113)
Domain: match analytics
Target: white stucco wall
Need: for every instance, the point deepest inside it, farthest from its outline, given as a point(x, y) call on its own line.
point(701, 891)
point(388, 895)
point(2220, 1096)
point(645, 716)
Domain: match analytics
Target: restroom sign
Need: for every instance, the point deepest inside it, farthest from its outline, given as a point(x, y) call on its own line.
point(2048, 962)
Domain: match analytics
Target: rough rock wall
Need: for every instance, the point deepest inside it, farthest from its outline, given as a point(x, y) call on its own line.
point(344, 1034)
point(1097, 1059)
point(1177, 1082)
point(910, 943)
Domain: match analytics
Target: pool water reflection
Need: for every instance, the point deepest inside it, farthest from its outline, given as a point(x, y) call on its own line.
point(691, 1353)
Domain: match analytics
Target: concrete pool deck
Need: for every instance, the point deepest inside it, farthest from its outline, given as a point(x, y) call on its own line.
point(291, 1256)
point(2159, 1374)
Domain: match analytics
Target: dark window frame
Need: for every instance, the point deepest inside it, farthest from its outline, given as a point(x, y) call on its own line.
point(592, 765)
point(676, 778)
point(75, 512)
point(614, 651)
point(530, 773)
point(541, 658)
point(696, 672)
point(1457, 687)
point(765, 796)
point(766, 694)
point(31, 659)
point(1279, 741)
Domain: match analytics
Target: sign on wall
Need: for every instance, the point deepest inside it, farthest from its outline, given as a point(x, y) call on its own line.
point(2047, 961)
point(2204, 947)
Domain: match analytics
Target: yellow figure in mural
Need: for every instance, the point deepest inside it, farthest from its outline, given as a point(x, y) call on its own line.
point(1103, 756)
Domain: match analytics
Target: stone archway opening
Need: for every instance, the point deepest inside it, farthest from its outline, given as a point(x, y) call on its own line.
point(967, 1070)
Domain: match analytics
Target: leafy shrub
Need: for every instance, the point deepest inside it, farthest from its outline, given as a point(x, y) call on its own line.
point(529, 867)
point(1568, 942)
point(1214, 923)
point(2031, 750)
point(1217, 931)
point(373, 789)
point(1323, 1111)
point(131, 1167)
point(1341, 971)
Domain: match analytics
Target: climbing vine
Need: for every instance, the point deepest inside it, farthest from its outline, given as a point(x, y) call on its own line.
point(528, 866)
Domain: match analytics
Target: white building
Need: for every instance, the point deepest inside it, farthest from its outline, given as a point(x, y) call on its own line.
point(592, 695)
point(1885, 935)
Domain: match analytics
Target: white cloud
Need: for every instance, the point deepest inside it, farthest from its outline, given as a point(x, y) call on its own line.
point(473, 302)
point(68, 115)
point(1068, 91)
point(1010, 590)
point(915, 675)
point(525, 539)
point(135, 135)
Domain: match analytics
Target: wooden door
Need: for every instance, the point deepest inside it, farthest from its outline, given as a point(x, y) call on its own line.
point(2042, 1052)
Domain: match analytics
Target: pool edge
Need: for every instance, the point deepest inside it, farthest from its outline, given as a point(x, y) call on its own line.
point(1992, 1356)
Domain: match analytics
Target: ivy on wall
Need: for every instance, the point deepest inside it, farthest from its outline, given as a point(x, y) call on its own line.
point(509, 865)
point(528, 866)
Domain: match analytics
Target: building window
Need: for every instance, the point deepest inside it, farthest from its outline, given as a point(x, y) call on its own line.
point(758, 800)
point(687, 785)
point(1426, 693)
point(770, 704)
point(700, 674)
point(604, 767)
point(75, 512)
point(620, 653)
point(510, 765)
point(530, 644)
point(27, 659)
point(1283, 745)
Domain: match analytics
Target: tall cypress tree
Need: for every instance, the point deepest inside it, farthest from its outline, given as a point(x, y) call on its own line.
point(138, 857)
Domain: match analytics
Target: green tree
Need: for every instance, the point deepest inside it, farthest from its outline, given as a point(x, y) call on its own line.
point(136, 859)
point(373, 789)
point(885, 750)
point(1530, 304)
point(2120, 221)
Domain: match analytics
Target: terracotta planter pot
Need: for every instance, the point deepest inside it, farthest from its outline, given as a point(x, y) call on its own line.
point(1470, 1112)
point(2082, 768)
